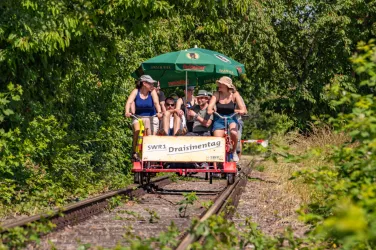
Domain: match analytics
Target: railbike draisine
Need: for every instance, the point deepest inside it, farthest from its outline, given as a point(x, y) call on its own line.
point(186, 154)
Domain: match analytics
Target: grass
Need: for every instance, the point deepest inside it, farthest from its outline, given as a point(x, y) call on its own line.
point(47, 200)
point(290, 153)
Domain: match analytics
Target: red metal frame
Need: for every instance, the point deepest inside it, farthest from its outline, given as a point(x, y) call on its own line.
point(228, 167)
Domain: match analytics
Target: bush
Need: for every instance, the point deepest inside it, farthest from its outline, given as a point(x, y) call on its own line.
point(345, 214)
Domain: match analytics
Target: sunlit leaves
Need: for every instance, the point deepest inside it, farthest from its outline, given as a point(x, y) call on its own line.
point(348, 209)
point(66, 132)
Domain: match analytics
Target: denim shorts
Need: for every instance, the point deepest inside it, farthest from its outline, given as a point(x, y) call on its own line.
point(220, 123)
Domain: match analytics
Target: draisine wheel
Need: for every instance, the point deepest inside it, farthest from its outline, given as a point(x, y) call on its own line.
point(136, 178)
point(144, 178)
point(147, 178)
point(230, 179)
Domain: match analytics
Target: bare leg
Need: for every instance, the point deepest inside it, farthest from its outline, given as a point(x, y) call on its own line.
point(177, 122)
point(154, 125)
point(234, 135)
point(166, 121)
point(147, 126)
point(219, 133)
point(240, 148)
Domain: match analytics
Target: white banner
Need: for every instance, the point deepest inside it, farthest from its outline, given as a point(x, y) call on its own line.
point(183, 148)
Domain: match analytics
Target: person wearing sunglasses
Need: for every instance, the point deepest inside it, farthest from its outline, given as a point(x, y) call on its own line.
point(169, 117)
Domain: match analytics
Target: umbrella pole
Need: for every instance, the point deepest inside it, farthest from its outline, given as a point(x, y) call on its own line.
point(186, 92)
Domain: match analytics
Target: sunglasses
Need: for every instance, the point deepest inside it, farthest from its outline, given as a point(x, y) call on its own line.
point(170, 104)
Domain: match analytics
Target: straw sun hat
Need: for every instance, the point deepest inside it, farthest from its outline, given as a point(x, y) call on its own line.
point(227, 81)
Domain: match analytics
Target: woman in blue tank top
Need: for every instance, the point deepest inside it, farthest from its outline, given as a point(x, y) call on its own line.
point(225, 100)
point(145, 101)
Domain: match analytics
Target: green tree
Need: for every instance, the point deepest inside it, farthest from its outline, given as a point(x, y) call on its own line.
point(73, 61)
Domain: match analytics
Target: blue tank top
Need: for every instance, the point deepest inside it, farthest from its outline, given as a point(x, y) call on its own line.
point(144, 107)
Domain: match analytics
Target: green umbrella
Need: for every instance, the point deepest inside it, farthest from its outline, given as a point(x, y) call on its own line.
point(192, 66)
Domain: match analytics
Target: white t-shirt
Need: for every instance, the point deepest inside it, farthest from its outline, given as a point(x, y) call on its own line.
point(182, 125)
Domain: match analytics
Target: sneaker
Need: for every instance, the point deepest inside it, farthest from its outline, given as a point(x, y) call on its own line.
point(185, 131)
point(204, 165)
point(161, 132)
point(196, 165)
point(235, 157)
point(179, 133)
point(135, 157)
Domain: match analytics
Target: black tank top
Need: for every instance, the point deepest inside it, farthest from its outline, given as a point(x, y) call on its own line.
point(225, 109)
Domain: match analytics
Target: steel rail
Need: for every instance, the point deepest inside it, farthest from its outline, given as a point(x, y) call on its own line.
point(99, 203)
point(230, 195)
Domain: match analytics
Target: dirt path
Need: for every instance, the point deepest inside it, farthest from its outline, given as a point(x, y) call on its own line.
point(266, 201)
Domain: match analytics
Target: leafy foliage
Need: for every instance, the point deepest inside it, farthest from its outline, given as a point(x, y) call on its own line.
point(153, 215)
point(65, 74)
point(345, 212)
point(166, 240)
point(189, 199)
point(18, 237)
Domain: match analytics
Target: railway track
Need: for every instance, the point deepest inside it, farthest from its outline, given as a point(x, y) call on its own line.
point(149, 211)
point(230, 197)
point(80, 211)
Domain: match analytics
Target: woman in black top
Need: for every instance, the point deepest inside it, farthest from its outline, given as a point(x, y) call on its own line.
point(225, 100)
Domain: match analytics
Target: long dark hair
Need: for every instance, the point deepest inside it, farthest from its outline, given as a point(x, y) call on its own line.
point(139, 84)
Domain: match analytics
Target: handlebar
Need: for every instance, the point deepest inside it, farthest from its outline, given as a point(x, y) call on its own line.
point(134, 116)
point(225, 117)
point(138, 117)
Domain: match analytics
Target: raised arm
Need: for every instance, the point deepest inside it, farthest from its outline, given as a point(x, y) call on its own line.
point(130, 102)
point(162, 103)
point(162, 98)
point(195, 102)
point(241, 108)
point(213, 100)
point(157, 106)
point(179, 104)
